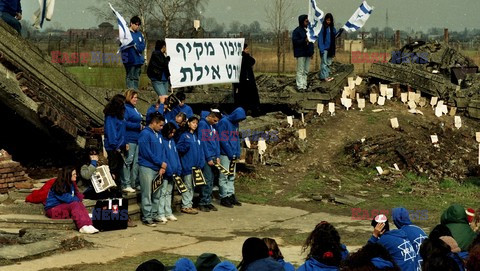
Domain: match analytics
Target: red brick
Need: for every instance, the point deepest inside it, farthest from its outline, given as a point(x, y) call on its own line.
point(23, 185)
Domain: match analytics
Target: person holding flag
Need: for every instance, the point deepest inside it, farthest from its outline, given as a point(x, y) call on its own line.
point(132, 54)
point(302, 51)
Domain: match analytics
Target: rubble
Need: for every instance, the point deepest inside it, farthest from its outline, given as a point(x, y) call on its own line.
point(12, 174)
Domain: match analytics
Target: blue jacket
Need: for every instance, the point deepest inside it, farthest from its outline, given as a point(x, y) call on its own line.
point(415, 234)
point(152, 109)
point(381, 264)
point(325, 44)
point(265, 264)
point(225, 266)
point(185, 109)
point(286, 265)
point(209, 139)
point(184, 264)
point(114, 131)
point(133, 120)
point(459, 258)
point(401, 250)
point(11, 7)
point(173, 162)
point(134, 55)
point(314, 265)
point(229, 133)
point(54, 200)
point(151, 150)
point(191, 152)
point(300, 46)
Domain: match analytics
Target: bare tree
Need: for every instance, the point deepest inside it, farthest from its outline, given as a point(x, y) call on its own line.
point(177, 13)
point(278, 13)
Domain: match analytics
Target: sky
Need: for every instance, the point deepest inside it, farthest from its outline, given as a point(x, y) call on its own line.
point(402, 14)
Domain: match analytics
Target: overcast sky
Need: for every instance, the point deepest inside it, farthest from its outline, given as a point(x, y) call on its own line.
point(403, 14)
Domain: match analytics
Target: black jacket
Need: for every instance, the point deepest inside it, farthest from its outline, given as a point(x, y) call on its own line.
point(158, 66)
point(301, 48)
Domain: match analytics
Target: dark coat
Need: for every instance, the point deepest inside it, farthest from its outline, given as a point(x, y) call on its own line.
point(301, 47)
point(158, 66)
point(247, 94)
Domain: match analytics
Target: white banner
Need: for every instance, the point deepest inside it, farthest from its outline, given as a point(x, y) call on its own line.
point(204, 61)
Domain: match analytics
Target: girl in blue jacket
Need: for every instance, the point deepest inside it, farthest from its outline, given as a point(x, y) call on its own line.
point(191, 155)
point(133, 123)
point(173, 168)
point(326, 46)
point(276, 254)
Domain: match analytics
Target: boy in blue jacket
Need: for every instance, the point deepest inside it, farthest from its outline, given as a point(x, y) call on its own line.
point(152, 161)
point(414, 233)
point(132, 56)
point(191, 155)
point(396, 242)
point(211, 149)
point(229, 151)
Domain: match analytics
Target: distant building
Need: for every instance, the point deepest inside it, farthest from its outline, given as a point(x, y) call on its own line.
point(104, 30)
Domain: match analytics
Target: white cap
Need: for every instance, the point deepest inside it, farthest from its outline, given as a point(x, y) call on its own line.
point(381, 218)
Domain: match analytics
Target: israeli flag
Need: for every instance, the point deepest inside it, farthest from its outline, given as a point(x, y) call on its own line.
point(359, 18)
point(124, 35)
point(315, 18)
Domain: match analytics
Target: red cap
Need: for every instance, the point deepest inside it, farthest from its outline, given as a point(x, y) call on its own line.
point(470, 214)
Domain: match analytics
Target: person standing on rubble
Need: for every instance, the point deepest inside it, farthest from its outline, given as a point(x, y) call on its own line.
point(246, 92)
point(302, 51)
point(326, 46)
point(132, 56)
point(11, 13)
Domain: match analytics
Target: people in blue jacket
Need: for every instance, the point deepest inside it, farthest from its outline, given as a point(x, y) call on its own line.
point(133, 122)
point(415, 234)
point(228, 130)
point(182, 107)
point(11, 13)
point(396, 242)
point(159, 107)
point(302, 51)
point(326, 46)
point(191, 156)
point(211, 150)
point(114, 131)
point(255, 257)
point(275, 253)
point(152, 160)
point(370, 257)
point(174, 168)
point(132, 56)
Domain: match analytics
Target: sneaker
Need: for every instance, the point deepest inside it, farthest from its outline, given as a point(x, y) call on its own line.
point(234, 200)
point(212, 207)
point(162, 220)
point(149, 223)
point(226, 202)
point(189, 211)
point(88, 229)
point(94, 230)
point(204, 208)
point(172, 218)
point(129, 190)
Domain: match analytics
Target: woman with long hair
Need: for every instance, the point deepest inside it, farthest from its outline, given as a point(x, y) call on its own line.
point(255, 257)
point(64, 201)
point(276, 254)
point(326, 46)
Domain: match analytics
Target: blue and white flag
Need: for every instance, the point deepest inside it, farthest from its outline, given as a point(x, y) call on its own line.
point(359, 18)
point(124, 34)
point(315, 18)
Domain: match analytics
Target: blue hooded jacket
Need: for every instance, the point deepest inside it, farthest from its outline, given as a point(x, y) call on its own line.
point(286, 265)
point(173, 162)
point(225, 266)
point(381, 263)
point(209, 139)
point(185, 109)
point(11, 7)
point(414, 233)
point(115, 130)
point(299, 37)
point(134, 55)
point(133, 120)
point(53, 199)
point(229, 133)
point(184, 264)
point(191, 152)
point(325, 44)
point(314, 265)
point(265, 264)
point(151, 150)
point(152, 109)
point(401, 250)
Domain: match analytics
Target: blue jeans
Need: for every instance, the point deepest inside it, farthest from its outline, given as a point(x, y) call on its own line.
point(206, 190)
point(325, 66)
point(133, 76)
point(160, 87)
point(226, 183)
point(150, 201)
point(11, 21)
point(303, 66)
point(165, 206)
point(187, 197)
point(130, 167)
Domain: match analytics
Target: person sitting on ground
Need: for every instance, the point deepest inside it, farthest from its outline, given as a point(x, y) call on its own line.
point(436, 256)
point(65, 201)
point(395, 241)
point(174, 168)
point(415, 234)
point(439, 231)
point(191, 156)
point(255, 257)
point(371, 257)
point(184, 264)
point(326, 251)
point(225, 266)
point(456, 220)
point(276, 254)
point(207, 261)
point(459, 256)
point(151, 265)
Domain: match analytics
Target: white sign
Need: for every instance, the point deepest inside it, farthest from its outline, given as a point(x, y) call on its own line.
point(204, 61)
point(394, 123)
point(404, 97)
point(302, 134)
point(320, 108)
point(477, 136)
point(373, 98)
point(331, 108)
point(458, 122)
point(290, 120)
point(247, 142)
point(389, 93)
point(434, 139)
point(411, 96)
point(381, 100)
point(433, 101)
point(358, 81)
point(361, 104)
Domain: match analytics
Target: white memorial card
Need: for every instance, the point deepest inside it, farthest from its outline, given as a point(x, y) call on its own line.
point(394, 123)
point(458, 122)
point(361, 104)
point(331, 108)
point(320, 109)
point(290, 120)
point(381, 100)
point(373, 98)
point(404, 97)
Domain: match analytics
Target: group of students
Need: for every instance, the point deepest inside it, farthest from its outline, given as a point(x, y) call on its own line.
point(452, 245)
point(173, 143)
